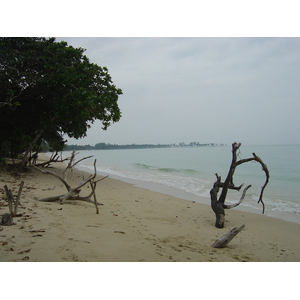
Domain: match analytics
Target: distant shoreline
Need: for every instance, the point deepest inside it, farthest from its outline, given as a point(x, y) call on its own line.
point(104, 146)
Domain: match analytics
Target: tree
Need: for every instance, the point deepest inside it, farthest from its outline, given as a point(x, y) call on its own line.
point(48, 89)
point(218, 205)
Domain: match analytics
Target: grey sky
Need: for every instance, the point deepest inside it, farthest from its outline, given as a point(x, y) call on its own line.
point(200, 89)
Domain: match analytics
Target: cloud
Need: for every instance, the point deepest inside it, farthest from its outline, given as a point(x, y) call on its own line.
point(200, 89)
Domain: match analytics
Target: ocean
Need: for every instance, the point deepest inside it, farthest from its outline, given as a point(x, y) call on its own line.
point(189, 173)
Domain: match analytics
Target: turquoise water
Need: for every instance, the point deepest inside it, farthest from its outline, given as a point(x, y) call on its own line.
point(192, 170)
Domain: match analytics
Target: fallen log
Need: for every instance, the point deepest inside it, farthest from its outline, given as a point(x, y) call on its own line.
point(226, 238)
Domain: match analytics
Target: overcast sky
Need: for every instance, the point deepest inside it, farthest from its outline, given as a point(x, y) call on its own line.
point(217, 90)
point(175, 90)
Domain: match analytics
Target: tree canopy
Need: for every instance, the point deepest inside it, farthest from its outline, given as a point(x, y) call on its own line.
point(48, 89)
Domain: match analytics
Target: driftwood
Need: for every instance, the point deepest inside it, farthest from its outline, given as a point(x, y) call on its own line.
point(218, 204)
point(72, 163)
point(226, 238)
point(7, 219)
point(73, 193)
point(53, 159)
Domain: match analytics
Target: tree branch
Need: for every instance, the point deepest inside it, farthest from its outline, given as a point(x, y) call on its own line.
point(229, 179)
point(226, 238)
point(240, 201)
point(264, 168)
point(73, 193)
point(55, 175)
point(31, 145)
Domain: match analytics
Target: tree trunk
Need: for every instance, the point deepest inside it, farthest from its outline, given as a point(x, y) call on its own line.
point(30, 147)
point(216, 205)
point(220, 214)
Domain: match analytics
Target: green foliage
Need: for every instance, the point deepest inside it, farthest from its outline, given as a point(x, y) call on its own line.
point(51, 88)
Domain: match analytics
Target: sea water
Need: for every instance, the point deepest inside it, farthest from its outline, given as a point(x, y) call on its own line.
point(189, 172)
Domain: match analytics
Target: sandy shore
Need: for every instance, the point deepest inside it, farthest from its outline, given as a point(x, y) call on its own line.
point(134, 225)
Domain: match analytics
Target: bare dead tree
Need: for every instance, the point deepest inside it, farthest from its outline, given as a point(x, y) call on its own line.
point(218, 204)
point(73, 193)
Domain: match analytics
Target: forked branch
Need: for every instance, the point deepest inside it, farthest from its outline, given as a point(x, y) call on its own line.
point(240, 201)
point(72, 163)
point(73, 193)
point(68, 187)
point(264, 168)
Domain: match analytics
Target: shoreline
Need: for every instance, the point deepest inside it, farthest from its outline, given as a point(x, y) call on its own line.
point(176, 192)
point(134, 225)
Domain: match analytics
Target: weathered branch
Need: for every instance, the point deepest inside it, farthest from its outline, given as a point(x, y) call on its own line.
point(53, 159)
point(101, 178)
point(12, 202)
point(7, 219)
point(55, 175)
point(9, 197)
point(240, 201)
point(93, 186)
point(229, 179)
point(73, 193)
point(264, 168)
point(226, 238)
point(81, 160)
point(18, 197)
point(72, 163)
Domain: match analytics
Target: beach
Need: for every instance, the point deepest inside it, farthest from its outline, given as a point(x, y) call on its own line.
point(133, 225)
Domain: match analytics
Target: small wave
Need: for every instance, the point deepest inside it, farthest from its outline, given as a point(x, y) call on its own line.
point(275, 204)
point(163, 169)
point(198, 186)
